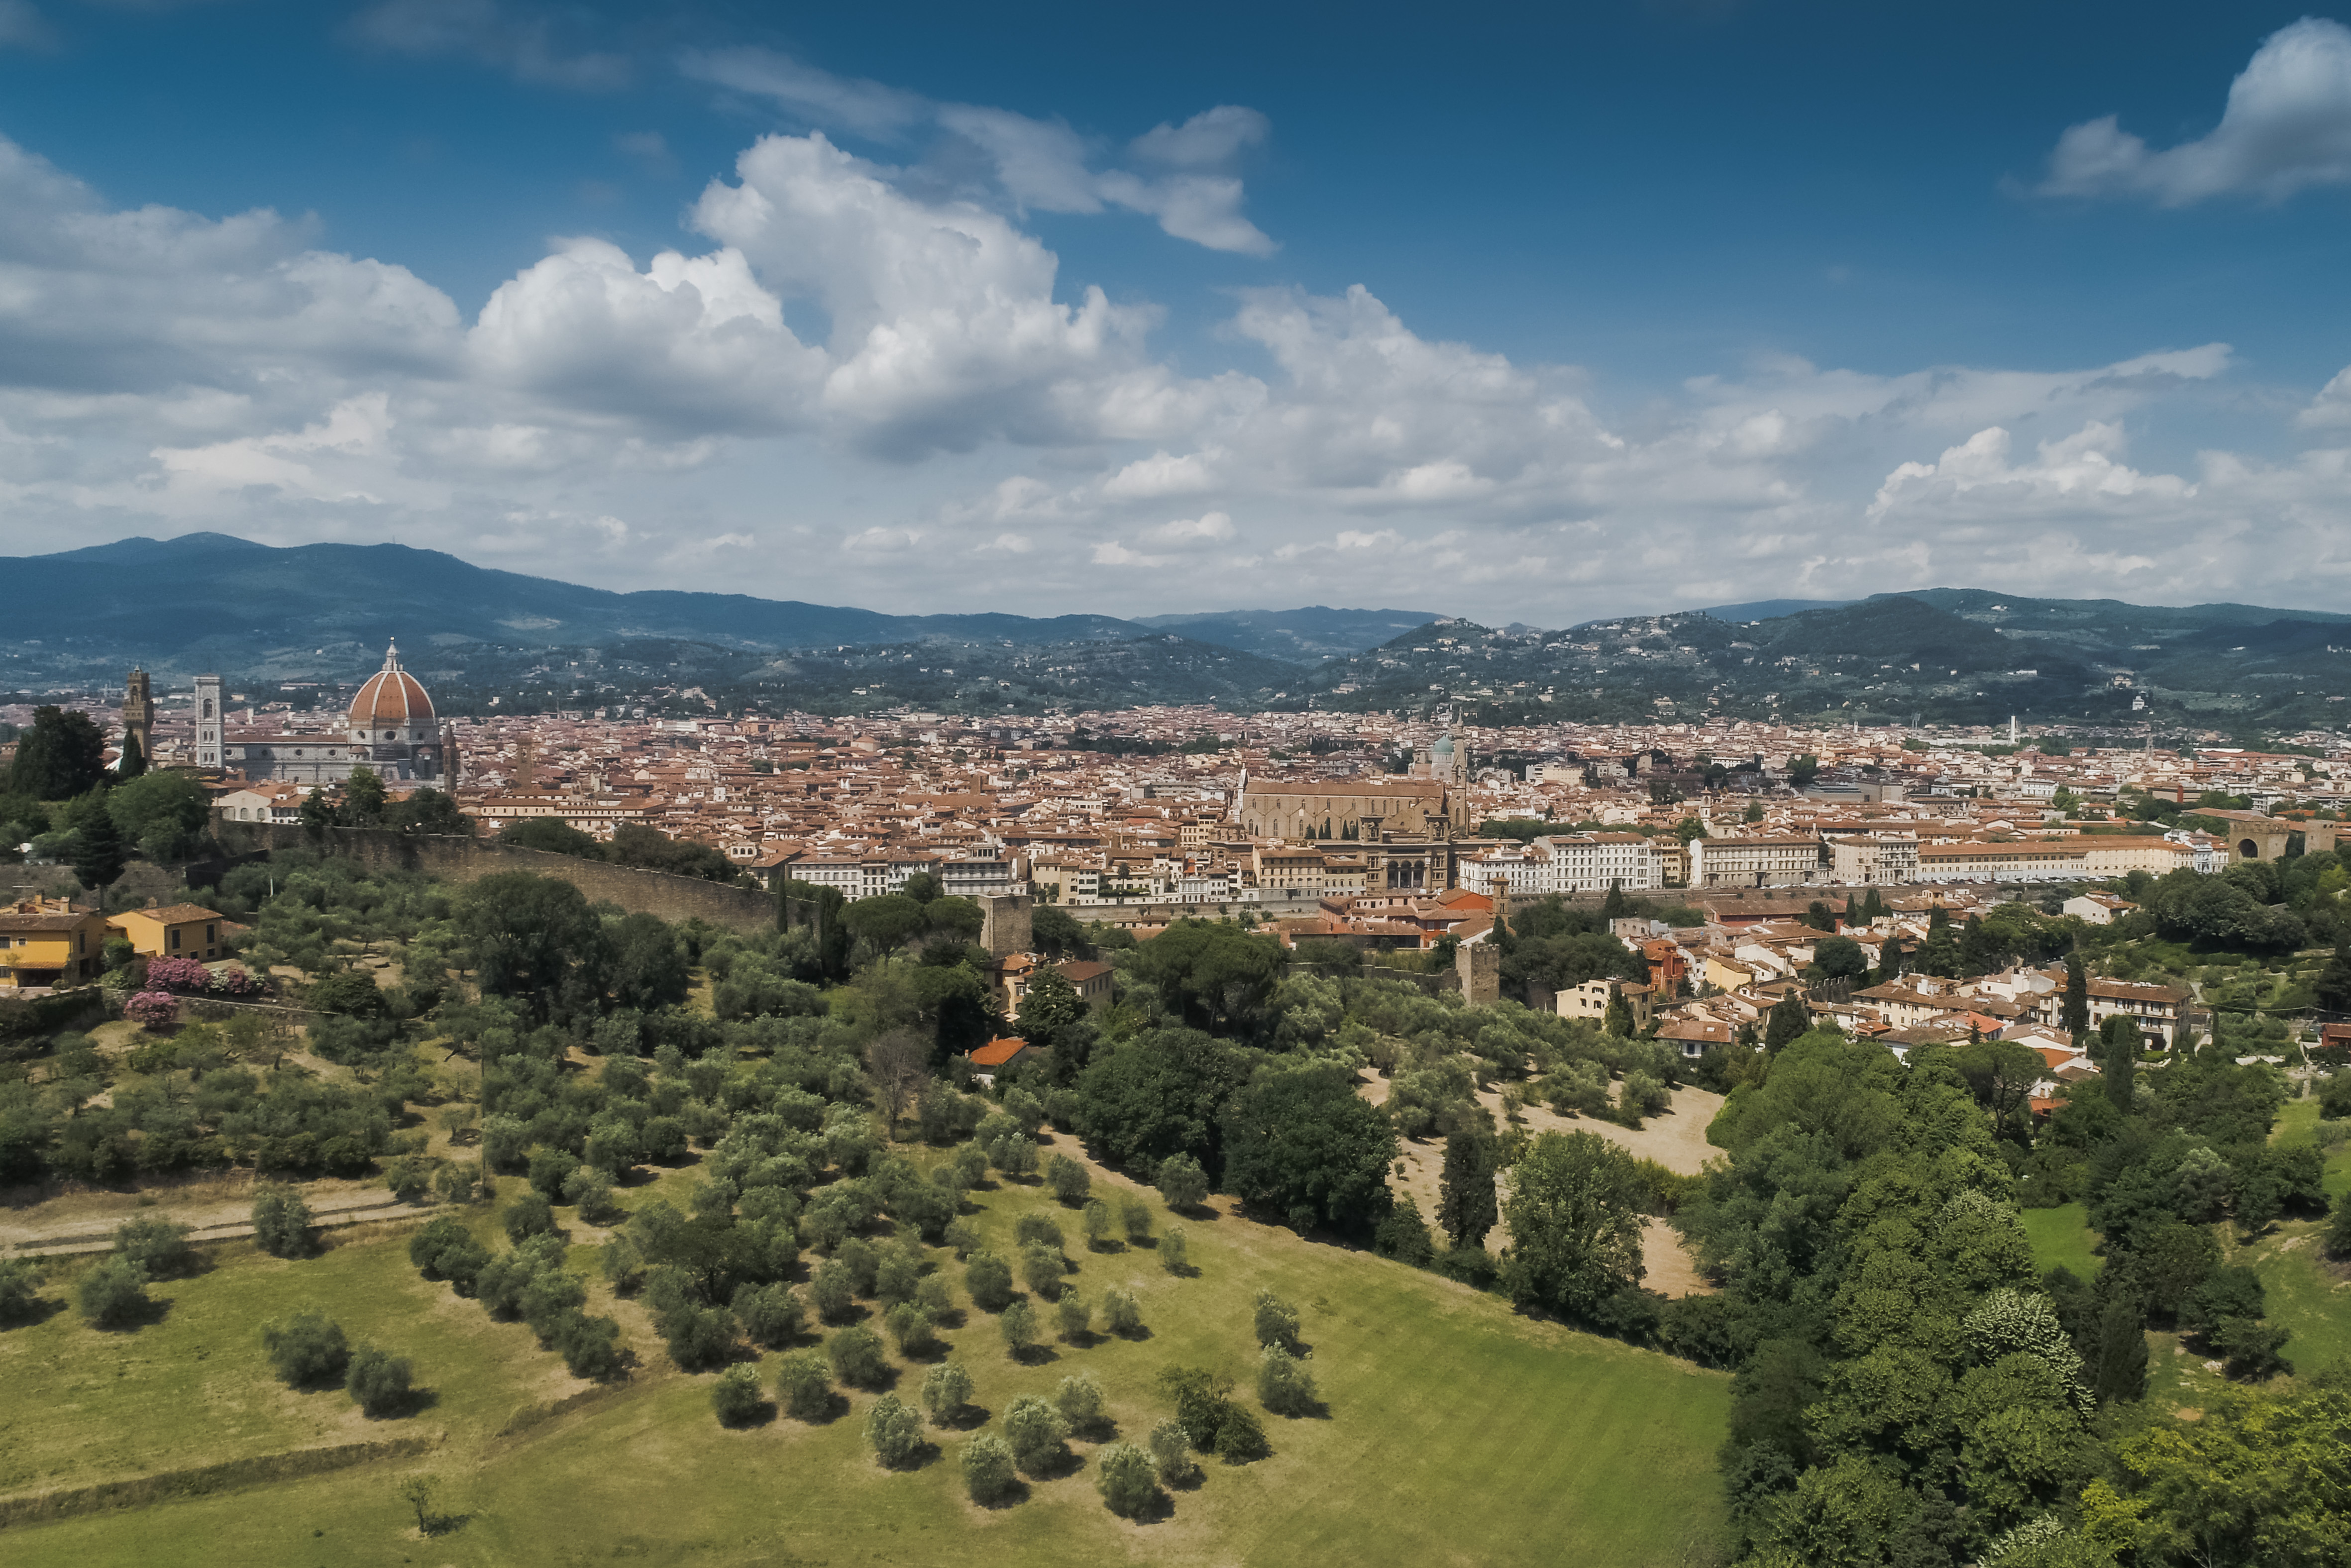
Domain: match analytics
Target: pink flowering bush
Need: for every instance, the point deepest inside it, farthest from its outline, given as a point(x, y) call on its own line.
point(235, 980)
point(178, 974)
point(151, 1009)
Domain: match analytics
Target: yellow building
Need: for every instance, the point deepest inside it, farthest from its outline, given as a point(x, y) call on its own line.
point(175, 931)
point(48, 942)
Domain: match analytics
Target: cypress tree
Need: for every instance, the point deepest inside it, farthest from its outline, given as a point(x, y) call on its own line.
point(1466, 1208)
point(2119, 1064)
point(133, 763)
point(2122, 1352)
point(1788, 1018)
point(98, 854)
point(2074, 1017)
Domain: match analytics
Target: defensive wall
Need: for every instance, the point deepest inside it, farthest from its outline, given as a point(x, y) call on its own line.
point(464, 860)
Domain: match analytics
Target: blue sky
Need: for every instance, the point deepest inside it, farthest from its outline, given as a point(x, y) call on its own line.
point(1531, 313)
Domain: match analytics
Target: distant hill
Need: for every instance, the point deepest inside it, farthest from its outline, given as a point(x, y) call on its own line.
point(1770, 609)
point(1306, 636)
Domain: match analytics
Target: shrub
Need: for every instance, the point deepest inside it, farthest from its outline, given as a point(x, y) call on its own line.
point(549, 1168)
point(1125, 1480)
point(178, 974)
point(1077, 1318)
point(1283, 1385)
point(864, 1264)
point(378, 1381)
point(857, 1356)
point(306, 1349)
point(962, 1237)
point(802, 1384)
point(590, 1191)
point(156, 1245)
point(20, 1284)
point(1039, 1435)
point(1134, 1215)
point(1042, 1268)
point(910, 1327)
point(893, 1430)
point(1019, 1325)
point(1014, 1155)
point(233, 980)
point(698, 1337)
point(1276, 1321)
point(771, 1314)
point(151, 1009)
point(1122, 1314)
point(1079, 1400)
point(833, 1289)
point(590, 1346)
point(1239, 1436)
point(281, 1222)
point(946, 1391)
point(1172, 1254)
point(1097, 1220)
point(409, 1180)
point(1037, 1228)
point(1067, 1179)
point(1182, 1183)
point(988, 1468)
point(897, 1279)
point(1170, 1451)
point(454, 1183)
point(737, 1397)
point(113, 1294)
point(2338, 1234)
point(990, 1280)
point(527, 1215)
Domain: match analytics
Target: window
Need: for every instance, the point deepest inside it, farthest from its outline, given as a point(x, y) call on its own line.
point(175, 938)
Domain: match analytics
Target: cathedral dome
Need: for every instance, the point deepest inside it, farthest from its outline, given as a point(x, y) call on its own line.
point(393, 696)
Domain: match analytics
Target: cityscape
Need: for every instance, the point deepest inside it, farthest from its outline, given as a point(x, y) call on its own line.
point(720, 844)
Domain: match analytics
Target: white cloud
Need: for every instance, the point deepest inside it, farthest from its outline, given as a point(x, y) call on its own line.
point(882, 541)
point(1158, 475)
point(1007, 543)
point(2287, 128)
point(1207, 527)
point(867, 108)
point(1110, 552)
point(493, 34)
point(2082, 470)
point(2331, 409)
point(1038, 165)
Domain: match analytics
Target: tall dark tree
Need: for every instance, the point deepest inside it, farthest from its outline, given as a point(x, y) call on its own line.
point(2118, 1063)
point(133, 763)
point(535, 939)
point(63, 755)
point(1300, 1142)
point(98, 852)
point(1466, 1205)
point(1616, 906)
point(1788, 1019)
point(2122, 1351)
point(2074, 1015)
point(364, 798)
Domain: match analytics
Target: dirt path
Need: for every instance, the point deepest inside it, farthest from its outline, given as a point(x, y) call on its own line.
point(215, 1209)
point(1676, 1141)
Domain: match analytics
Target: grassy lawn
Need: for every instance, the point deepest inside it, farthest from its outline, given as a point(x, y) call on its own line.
point(2296, 1123)
point(1458, 1432)
point(2062, 1237)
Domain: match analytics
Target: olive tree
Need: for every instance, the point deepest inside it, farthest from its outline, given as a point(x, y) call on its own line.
point(892, 1430)
point(1098, 1223)
point(1122, 1314)
point(156, 1245)
point(1174, 1254)
point(856, 1355)
point(946, 1392)
point(281, 1221)
point(1182, 1183)
point(988, 1278)
point(1079, 1400)
point(378, 1381)
point(737, 1398)
point(306, 1348)
point(1283, 1385)
point(1276, 1321)
point(988, 1468)
point(804, 1386)
point(113, 1294)
point(1077, 1318)
point(1018, 1323)
point(1125, 1480)
point(1170, 1451)
point(1039, 1435)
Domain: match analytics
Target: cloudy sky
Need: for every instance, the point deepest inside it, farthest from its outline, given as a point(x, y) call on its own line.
point(1521, 313)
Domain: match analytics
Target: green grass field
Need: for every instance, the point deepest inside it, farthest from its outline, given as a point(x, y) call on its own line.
point(1458, 1432)
point(2062, 1237)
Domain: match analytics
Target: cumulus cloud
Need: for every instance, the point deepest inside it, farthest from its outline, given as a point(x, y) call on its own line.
point(2287, 126)
point(2331, 409)
point(1038, 165)
point(490, 34)
point(1207, 527)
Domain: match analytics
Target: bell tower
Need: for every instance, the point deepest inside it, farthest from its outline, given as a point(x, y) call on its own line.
point(139, 714)
point(210, 749)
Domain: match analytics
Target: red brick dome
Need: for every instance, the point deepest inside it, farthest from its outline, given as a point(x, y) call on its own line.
point(391, 696)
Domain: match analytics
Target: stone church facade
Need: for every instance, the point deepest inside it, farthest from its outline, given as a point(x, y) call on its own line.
point(390, 731)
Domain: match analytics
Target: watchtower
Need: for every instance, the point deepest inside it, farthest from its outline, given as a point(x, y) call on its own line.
point(210, 747)
point(139, 714)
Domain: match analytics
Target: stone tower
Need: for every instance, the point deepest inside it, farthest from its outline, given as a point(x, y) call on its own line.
point(210, 747)
point(1006, 922)
point(139, 714)
point(1479, 966)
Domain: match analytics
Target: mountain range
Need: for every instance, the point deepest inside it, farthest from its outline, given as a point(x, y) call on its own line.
point(323, 612)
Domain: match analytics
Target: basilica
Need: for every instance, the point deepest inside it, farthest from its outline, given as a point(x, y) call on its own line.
point(390, 730)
